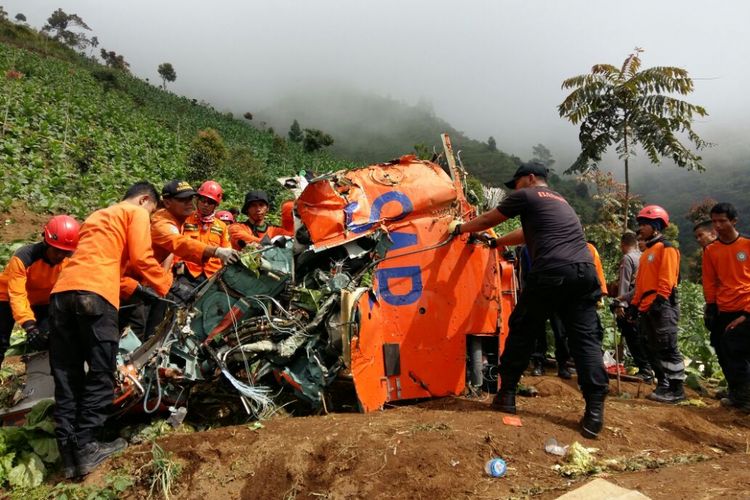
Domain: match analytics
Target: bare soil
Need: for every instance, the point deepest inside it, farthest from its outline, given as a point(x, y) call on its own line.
point(21, 224)
point(437, 449)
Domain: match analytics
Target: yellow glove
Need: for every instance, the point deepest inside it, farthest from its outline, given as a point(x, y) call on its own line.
point(454, 228)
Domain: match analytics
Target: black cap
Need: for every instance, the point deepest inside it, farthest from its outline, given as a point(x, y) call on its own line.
point(254, 196)
point(178, 189)
point(532, 167)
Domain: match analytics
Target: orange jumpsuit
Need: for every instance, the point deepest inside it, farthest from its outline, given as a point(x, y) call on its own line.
point(111, 239)
point(167, 237)
point(215, 234)
point(599, 268)
point(726, 275)
point(658, 272)
point(246, 232)
point(27, 281)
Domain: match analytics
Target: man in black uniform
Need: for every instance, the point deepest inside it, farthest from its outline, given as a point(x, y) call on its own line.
point(562, 281)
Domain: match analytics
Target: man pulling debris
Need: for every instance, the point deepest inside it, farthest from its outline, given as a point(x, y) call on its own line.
point(562, 280)
point(84, 327)
point(27, 280)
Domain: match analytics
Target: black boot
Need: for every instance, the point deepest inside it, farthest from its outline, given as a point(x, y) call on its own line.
point(564, 373)
point(593, 418)
point(94, 453)
point(68, 456)
point(538, 370)
point(670, 391)
point(505, 401)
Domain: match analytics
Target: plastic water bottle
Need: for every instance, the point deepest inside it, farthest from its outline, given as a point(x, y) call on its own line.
point(553, 447)
point(495, 467)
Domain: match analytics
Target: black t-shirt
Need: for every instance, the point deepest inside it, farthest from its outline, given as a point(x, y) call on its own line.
point(551, 227)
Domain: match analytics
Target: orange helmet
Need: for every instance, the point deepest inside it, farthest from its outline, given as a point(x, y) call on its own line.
point(653, 212)
point(226, 216)
point(62, 232)
point(212, 190)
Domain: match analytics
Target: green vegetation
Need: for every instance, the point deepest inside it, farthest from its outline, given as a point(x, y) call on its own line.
point(25, 452)
point(75, 134)
point(630, 107)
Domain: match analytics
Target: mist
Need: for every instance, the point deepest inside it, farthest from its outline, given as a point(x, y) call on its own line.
point(489, 68)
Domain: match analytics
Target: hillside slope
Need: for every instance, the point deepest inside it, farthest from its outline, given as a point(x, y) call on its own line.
point(74, 134)
point(371, 128)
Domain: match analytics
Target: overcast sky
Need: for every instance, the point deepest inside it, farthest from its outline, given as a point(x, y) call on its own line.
point(487, 67)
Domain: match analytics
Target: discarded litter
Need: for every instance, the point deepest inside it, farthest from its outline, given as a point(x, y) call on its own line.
point(512, 420)
point(527, 390)
point(177, 416)
point(553, 447)
point(495, 467)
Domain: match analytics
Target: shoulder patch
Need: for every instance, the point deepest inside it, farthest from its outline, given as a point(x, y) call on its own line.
point(28, 254)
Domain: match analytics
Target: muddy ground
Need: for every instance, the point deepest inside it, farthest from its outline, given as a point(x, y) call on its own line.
point(21, 224)
point(437, 449)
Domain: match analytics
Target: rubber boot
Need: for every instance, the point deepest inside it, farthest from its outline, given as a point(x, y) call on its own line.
point(538, 370)
point(505, 401)
point(673, 393)
point(563, 372)
point(95, 452)
point(593, 417)
point(68, 456)
point(741, 397)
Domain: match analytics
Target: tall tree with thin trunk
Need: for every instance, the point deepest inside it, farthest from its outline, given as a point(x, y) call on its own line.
point(630, 107)
point(167, 74)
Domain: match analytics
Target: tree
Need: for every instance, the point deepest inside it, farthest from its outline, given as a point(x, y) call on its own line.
point(248, 116)
point(701, 211)
point(295, 132)
point(491, 144)
point(20, 18)
point(3, 13)
point(205, 156)
point(59, 22)
point(543, 155)
point(630, 107)
point(114, 60)
point(315, 139)
point(93, 43)
point(167, 73)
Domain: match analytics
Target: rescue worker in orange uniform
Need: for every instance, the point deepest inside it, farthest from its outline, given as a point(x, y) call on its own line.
point(27, 280)
point(204, 226)
point(562, 280)
point(287, 218)
point(726, 288)
point(655, 296)
point(255, 227)
point(170, 242)
point(83, 321)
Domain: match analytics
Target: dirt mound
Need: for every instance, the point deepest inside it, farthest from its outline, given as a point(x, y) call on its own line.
point(438, 448)
point(21, 224)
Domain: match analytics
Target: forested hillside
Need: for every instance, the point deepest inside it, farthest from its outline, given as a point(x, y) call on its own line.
point(370, 128)
point(75, 133)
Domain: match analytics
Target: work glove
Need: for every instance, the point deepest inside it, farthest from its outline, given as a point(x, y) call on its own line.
point(710, 315)
point(657, 305)
point(454, 228)
point(146, 295)
point(180, 293)
point(227, 255)
point(36, 339)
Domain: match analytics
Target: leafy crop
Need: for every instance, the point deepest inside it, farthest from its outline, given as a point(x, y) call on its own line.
point(25, 452)
point(75, 135)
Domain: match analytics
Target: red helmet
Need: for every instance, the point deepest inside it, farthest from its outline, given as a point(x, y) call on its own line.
point(212, 190)
point(226, 216)
point(654, 212)
point(62, 232)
